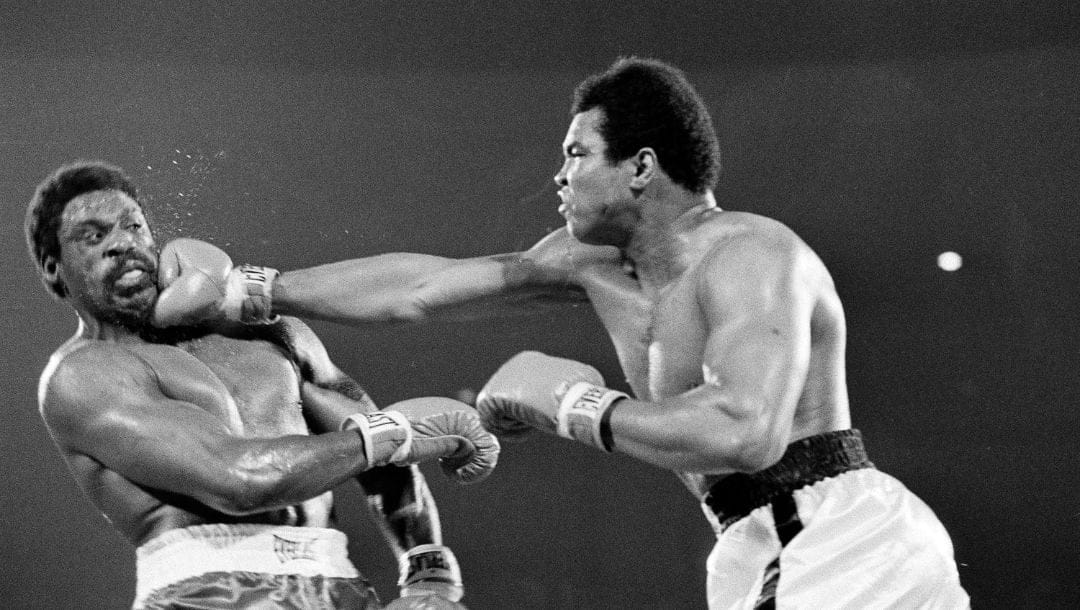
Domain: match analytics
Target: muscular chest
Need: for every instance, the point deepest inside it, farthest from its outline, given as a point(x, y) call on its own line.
point(659, 339)
point(259, 382)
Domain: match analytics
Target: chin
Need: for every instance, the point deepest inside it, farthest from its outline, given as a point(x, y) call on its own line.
point(579, 232)
point(133, 310)
point(594, 235)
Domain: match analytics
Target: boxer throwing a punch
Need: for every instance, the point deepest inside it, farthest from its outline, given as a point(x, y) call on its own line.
point(729, 330)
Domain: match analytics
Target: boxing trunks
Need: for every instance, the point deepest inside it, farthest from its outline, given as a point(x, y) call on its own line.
point(249, 566)
point(822, 528)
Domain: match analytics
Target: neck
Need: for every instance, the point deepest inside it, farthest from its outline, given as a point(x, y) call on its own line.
point(654, 247)
point(91, 327)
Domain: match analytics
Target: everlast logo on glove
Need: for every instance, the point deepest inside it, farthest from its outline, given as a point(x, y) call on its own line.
point(429, 565)
point(257, 281)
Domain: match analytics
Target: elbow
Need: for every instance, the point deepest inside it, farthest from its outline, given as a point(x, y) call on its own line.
point(748, 445)
point(753, 452)
point(411, 309)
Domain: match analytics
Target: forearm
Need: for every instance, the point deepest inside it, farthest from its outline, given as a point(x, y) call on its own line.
point(412, 287)
point(257, 475)
point(705, 430)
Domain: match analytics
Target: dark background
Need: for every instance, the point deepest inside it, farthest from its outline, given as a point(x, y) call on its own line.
point(296, 133)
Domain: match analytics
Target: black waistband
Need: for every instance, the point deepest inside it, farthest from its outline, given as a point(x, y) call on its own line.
point(805, 462)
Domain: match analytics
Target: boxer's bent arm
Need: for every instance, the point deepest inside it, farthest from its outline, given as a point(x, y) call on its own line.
point(397, 496)
point(406, 287)
point(116, 415)
point(757, 307)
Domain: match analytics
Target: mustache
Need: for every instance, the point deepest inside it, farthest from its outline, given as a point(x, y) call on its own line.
point(132, 260)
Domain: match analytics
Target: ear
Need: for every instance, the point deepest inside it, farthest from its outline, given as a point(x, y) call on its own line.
point(50, 268)
point(50, 273)
point(645, 168)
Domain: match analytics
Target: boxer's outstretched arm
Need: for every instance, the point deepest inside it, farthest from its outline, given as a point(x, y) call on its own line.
point(199, 283)
point(405, 287)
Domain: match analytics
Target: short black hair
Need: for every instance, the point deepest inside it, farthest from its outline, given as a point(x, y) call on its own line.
point(52, 196)
point(649, 103)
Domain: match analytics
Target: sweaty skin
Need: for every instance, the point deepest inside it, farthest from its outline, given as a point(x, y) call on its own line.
point(166, 429)
point(727, 326)
point(740, 350)
point(238, 387)
point(730, 332)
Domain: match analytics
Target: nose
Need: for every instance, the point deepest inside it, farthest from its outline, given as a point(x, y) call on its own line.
point(560, 177)
point(121, 243)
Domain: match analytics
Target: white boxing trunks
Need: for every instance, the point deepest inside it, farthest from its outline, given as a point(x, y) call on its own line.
point(823, 528)
point(241, 565)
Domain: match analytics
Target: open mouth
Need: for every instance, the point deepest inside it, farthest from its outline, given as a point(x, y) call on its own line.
point(131, 276)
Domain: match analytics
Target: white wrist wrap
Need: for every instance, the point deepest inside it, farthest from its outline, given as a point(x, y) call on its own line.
point(257, 283)
point(248, 294)
point(581, 413)
point(387, 436)
point(428, 568)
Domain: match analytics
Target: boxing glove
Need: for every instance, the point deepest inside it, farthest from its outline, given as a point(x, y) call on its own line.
point(423, 429)
point(199, 283)
point(556, 395)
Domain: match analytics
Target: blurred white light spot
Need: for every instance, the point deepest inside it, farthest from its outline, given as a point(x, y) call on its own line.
point(950, 261)
point(466, 395)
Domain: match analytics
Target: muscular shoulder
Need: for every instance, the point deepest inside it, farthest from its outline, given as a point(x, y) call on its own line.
point(734, 232)
point(81, 374)
point(747, 252)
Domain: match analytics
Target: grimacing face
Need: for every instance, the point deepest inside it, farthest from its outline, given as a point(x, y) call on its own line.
point(108, 259)
point(594, 191)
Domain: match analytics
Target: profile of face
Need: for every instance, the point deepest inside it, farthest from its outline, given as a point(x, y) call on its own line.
point(108, 260)
point(595, 192)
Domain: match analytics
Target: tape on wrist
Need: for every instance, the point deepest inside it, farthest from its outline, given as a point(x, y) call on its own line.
point(585, 414)
point(387, 436)
point(257, 284)
point(430, 566)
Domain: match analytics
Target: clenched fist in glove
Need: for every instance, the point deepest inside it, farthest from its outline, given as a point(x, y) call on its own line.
point(556, 395)
point(199, 283)
point(423, 429)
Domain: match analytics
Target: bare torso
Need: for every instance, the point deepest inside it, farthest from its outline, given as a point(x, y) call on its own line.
point(252, 385)
point(660, 336)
